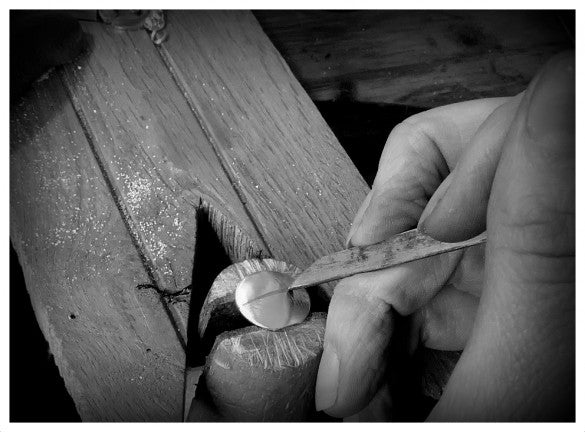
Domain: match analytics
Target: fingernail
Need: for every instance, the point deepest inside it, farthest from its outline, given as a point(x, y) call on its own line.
point(552, 107)
point(350, 234)
point(327, 380)
point(434, 203)
point(358, 219)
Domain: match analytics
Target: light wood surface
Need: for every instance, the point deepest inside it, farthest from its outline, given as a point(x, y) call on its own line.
point(254, 374)
point(158, 158)
point(296, 182)
point(114, 345)
point(158, 161)
point(154, 153)
point(299, 186)
point(420, 58)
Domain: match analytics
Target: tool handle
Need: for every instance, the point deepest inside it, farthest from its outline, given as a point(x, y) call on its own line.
point(402, 248)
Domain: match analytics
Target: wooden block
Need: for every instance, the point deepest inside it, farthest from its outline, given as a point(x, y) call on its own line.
point(154, 153)
point(114, 345)
point(298, 185)
point(418, 58)
point(253, 374)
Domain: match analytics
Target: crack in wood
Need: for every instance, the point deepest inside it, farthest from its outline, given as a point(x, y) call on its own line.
point(124, 214)
point(80, 267)
point(140, 248)
point(181, 296)
point(158, 170)
point(237, 244)
point(179, 82)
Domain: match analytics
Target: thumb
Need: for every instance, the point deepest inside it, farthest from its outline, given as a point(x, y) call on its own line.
point(457, 209)
point(519, 363)
point(354, 357)
point(360, 325)
point(418, 155)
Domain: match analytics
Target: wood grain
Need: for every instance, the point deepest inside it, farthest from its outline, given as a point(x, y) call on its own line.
point(154, 153)
point(296, 182)
point(399, 249)
point(419, 58)
point(253, 374)
point(114, 345)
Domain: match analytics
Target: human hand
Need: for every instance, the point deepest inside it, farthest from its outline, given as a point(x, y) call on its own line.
point(506, 164)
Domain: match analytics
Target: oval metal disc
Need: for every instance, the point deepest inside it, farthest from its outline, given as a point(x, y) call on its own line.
point(264, 299)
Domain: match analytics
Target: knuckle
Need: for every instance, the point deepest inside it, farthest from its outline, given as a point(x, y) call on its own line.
point(413, 129)
point(352, 313)
point(535, 225)
point(534, 267)
point(560, 67)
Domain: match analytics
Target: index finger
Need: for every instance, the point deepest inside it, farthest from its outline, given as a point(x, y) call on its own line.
point(419, 153)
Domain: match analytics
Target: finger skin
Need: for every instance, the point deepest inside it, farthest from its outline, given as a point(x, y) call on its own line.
point(203, 411)
point(418, 155)
point(366, 325)
point(457, 210)
point(379, 409)
point(445, 322)
point(360, 324)
point(358, 219)
point(469, 274)
point(519, 363)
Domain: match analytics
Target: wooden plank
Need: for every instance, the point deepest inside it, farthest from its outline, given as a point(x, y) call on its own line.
point(114, 345)
point(297, 183)
point(155, 155)
point(419, 58)
point(299, 186)
point(160, 162)
point(273, 369)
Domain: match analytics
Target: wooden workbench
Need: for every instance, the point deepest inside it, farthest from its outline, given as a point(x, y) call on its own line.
point(111, 155)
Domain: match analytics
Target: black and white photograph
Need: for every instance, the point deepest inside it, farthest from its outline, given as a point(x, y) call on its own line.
point(291, 214)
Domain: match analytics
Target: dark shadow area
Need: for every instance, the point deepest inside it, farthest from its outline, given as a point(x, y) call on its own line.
point(362, 129)
point(40, 40)
point(404, 375)
point(567, 20)
point(37, 391)
point(209, 260)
